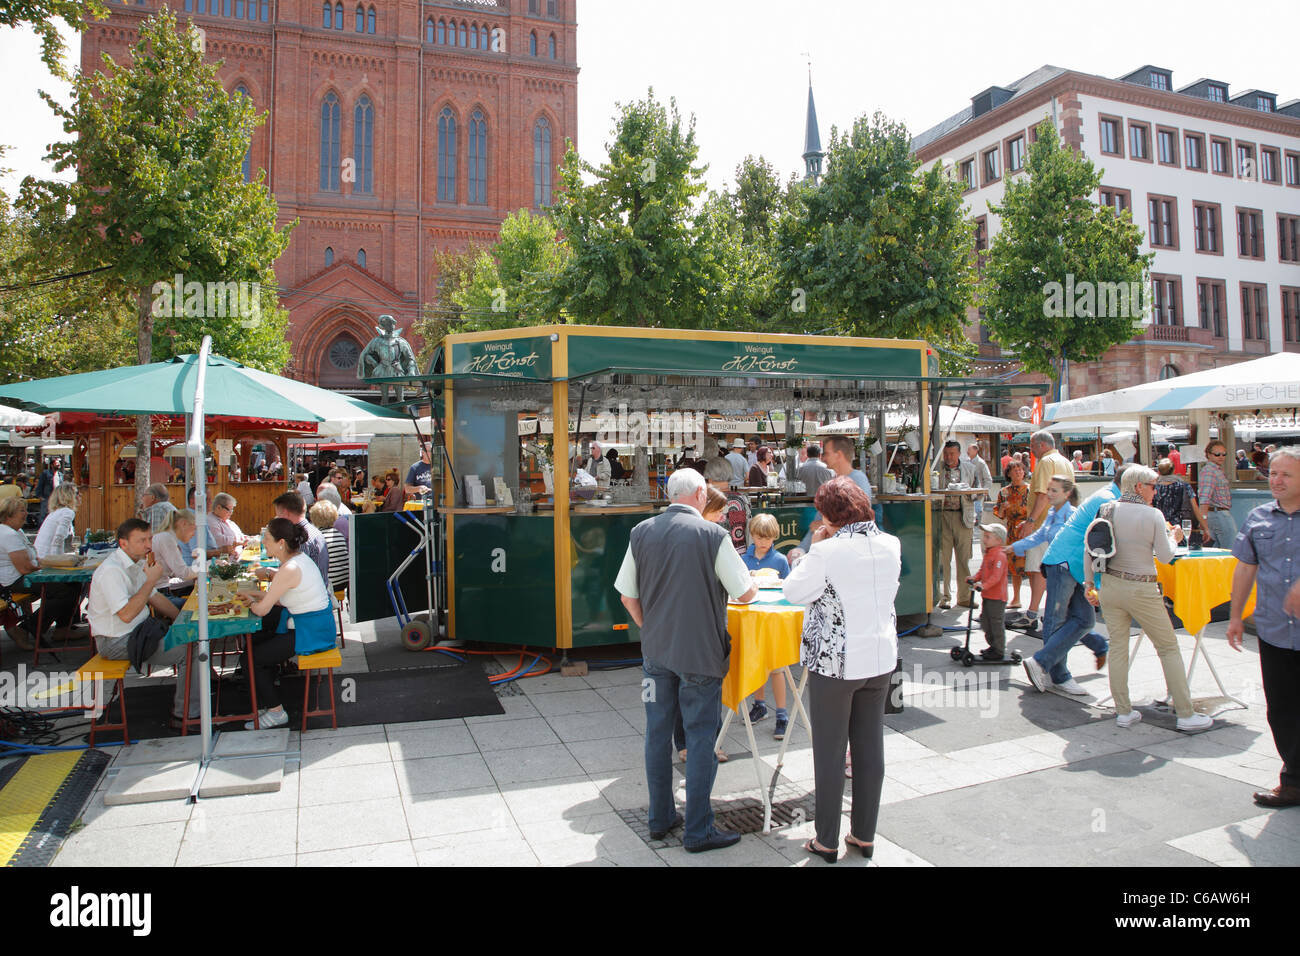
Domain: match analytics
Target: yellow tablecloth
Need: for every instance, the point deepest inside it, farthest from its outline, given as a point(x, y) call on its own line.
point(763, 638)
point(1196, 585)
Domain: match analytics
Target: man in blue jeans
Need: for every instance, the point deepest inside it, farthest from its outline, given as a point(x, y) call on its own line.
point(1068, 618)
point(675, 579)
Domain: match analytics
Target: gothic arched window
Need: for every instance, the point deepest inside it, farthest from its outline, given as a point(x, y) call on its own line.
point(477, 158)
point(542, 163)
point(446, 155)
point(363, 145)
point(329, 142)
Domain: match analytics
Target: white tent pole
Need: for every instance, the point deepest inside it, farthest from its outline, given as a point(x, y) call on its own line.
point(194, 450)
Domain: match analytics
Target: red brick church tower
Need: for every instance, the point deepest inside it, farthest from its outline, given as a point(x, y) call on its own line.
point(396, 128)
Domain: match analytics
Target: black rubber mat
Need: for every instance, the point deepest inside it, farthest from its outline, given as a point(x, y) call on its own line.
point(42, 842)
point(387, 697)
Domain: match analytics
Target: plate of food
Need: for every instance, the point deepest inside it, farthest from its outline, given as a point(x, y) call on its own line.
point(61, 562)
point(766, 578)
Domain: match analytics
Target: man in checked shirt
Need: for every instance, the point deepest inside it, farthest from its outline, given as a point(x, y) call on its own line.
point(1215, 495)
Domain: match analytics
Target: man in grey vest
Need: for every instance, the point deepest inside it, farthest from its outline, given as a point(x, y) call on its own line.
point(675, 579)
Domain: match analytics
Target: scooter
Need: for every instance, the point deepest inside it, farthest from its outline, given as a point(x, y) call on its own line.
point(964, 654)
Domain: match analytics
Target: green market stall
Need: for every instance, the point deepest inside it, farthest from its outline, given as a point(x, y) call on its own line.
point(530, 560)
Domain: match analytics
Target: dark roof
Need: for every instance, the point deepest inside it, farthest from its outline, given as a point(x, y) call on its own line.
point(1021, 86)
point(812, 139)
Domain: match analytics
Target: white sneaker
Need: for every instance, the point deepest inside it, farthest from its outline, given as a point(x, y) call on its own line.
point(1072, 686)
point(1129, 719)
point(268, 719)
point(1195, 722)
point(1037, 676)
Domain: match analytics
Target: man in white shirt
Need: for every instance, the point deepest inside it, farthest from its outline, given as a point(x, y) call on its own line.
point(983, 477)
point(598, 465)
point(122, 590)
point(739, 464)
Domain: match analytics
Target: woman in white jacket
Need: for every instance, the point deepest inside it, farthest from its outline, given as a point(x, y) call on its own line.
point(848, 581)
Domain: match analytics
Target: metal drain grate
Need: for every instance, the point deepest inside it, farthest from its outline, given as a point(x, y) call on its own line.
point(744, 815)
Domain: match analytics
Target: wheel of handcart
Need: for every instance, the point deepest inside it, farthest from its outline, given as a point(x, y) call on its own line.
point(1015, 657)
point(417, 634)
point(968, 659)
point(956, 653)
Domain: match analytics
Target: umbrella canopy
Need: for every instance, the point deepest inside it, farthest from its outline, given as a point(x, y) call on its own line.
point(10, 417)
point(951, 419)
point(1269, 382)
point(167, 388)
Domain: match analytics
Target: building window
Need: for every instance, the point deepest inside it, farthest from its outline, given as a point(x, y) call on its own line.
point(1217, 94)
point(361, 19)
point(1250, 234)
point(1288, 237)
point(442, 32)
point(1264, 104)
point(1139, 141)
point(982, 234)
point(1194, 153)
point(550, 47)
point(1219, 157)
point(992, 166)
point(1162, 213)
point(1207, 219)
point(1166, 302)
point(477, 158)
point(464, 34)
point(428, 30)
point(1167, 146)
point(1268, 166)
point(1293, 169)
point(483, 39)
point(532, 44)
point(1110, 142)
point(1210, 297)
point(344, 353)
point(266, 10)
point(473, 36)
point(1119, 200)
point(329, 255)
point(1168, 372)
point(1246, 162)
point(1159, 81)
point(967, 169)
point(363, 145)
point(338, 16)
point(446, 156)
point(370, 20)
point(550, 8)
point(1290, 314)
point(329, 143)
point(1016, 154)
point(542, 164)
point(1254, 311)
point(247, 167)
point(361, 258)
point(533, 7)
point(327, 16)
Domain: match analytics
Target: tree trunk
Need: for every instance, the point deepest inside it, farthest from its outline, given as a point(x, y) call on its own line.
point(143, 423)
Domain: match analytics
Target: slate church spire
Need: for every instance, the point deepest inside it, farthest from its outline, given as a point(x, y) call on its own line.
point(812, 140)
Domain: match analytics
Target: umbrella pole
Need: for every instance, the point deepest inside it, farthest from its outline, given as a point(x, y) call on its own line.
point(194, 450)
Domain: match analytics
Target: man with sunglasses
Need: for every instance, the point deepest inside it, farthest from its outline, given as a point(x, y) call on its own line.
point(1216, 495)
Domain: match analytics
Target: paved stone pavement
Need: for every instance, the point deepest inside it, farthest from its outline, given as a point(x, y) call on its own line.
point(980, 773)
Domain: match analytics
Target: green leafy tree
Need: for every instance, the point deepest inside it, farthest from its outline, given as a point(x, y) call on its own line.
point(638, 256)
point(157, 148)
point(54, 327)
point(1053, 237)
point(879, 248)
point(40, 16)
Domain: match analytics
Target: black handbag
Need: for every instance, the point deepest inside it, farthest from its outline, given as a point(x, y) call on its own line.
point(894, 702)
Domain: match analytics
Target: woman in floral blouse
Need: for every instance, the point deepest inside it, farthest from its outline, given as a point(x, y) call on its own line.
point(1013, 509)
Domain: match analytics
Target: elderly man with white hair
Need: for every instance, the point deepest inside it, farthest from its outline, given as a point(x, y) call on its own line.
point(157, 508)
point(222, 530)
point(1129, 592)
point(676, 576)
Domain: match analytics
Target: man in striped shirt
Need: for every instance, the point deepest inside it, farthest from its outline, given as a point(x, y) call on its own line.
point(1216, 496)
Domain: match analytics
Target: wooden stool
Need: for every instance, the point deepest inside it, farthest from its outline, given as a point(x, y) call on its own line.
point(339, 597)
point(100, 669)
point(311, 665)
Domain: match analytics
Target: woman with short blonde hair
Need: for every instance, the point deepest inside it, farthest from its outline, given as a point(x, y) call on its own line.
point(56, 527)
point(323, 515)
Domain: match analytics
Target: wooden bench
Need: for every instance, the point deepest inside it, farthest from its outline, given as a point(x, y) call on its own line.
point(101, 669)
point(311, 666)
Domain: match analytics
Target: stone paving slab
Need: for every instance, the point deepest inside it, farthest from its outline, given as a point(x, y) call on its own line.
point(144, 783)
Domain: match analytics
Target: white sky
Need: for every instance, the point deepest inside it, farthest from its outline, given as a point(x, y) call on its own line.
point(738, 65)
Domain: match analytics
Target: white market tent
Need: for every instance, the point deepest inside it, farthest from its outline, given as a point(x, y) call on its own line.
point(1269, 382)
point(951, 419)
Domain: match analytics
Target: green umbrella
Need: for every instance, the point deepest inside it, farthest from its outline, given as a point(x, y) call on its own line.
point(167, 388)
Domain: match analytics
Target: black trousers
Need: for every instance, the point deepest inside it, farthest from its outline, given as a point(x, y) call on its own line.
point(270, 650)
point(1281, 672)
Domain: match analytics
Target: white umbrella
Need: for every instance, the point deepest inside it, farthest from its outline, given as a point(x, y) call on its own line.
point(951, 419)
point(1269, 382)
